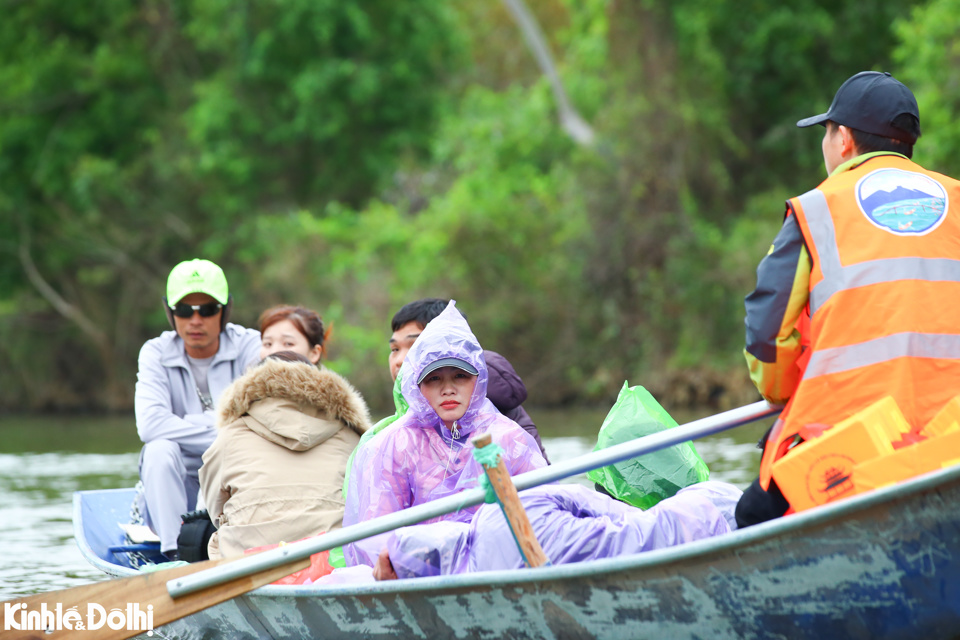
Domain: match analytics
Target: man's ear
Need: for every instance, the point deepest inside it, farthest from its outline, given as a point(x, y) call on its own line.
point(848, 147)
point(225, 317)
point(166, 307)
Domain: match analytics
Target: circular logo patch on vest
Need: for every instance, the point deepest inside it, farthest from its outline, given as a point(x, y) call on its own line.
point(902, 202)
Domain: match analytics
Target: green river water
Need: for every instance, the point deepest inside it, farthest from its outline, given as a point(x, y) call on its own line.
point(44, 460)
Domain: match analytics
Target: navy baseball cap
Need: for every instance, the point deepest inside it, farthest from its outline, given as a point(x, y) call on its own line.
point(869, 102)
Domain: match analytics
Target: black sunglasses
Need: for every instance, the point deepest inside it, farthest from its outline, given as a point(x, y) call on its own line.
point(208, 310)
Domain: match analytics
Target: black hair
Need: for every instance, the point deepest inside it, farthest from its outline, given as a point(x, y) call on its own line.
point(870, 142)
point(421, 311)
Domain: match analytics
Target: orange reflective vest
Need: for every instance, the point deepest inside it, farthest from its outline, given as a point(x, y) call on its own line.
point(884, 298)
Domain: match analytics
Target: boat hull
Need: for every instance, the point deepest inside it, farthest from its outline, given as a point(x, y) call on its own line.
point(879, 565)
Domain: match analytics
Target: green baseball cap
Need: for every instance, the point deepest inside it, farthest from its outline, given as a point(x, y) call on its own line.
point(197, 276)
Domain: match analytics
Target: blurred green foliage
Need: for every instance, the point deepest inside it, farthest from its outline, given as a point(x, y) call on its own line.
point(353, 156)
point(135, 134)
point(929, 54)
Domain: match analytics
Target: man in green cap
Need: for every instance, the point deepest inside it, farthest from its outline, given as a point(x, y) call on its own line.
point(181, 375)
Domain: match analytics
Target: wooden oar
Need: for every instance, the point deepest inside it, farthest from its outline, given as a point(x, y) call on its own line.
point(141, 599)
point(530, 549)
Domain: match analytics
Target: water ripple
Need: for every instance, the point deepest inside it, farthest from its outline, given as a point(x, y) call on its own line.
point(36, 531)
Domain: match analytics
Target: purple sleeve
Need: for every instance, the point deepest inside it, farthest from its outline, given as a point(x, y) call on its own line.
point(379, 484)
point(522, 418)
point(439, 548)
point(520, 450)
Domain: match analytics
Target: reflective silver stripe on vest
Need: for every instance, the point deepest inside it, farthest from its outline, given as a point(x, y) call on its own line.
point(824, 238)
point(898, 345)
point(839, 278)
point(887, 270)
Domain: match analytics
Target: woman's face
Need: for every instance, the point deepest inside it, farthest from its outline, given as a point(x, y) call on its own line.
point(448, 390)
point(284, 336)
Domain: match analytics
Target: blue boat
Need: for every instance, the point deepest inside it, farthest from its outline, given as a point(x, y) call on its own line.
point(884, 564)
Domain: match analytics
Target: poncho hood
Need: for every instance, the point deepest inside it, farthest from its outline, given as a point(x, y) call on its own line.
point(294, 405)
point(446, 336)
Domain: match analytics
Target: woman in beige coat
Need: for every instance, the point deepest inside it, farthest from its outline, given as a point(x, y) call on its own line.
point(275, 471)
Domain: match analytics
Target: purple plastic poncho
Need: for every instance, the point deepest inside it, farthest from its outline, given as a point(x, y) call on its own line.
point(418, 459)
point(572, 523)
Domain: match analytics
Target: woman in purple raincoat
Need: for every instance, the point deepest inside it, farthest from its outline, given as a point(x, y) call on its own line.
point(424, 456)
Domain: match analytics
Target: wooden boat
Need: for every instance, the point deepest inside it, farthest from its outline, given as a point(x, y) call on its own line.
point(884, 564)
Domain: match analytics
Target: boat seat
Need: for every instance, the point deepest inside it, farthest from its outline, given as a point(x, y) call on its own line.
point(148, 547)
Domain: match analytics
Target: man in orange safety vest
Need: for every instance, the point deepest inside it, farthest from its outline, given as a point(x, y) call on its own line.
point(873, 256)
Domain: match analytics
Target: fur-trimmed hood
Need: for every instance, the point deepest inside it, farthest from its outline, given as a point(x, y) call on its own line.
point(292, 404)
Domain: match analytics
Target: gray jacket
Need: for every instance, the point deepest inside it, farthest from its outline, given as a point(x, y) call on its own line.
point(166, 402)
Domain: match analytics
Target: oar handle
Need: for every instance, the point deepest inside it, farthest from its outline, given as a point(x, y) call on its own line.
point(513, 510)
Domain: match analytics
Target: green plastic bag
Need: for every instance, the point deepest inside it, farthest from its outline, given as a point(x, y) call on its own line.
point(648, 479)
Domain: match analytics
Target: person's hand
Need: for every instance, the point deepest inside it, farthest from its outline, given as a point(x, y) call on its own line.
point(383, 570)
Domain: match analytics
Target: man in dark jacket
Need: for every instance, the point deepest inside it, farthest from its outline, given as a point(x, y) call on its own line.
point(505, 389)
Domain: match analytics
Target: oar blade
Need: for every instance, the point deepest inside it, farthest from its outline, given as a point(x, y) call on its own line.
point(143, 601)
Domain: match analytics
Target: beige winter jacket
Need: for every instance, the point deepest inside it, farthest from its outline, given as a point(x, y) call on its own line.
point(275, 471)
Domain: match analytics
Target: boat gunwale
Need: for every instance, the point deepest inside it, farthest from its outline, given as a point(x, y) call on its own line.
point(648, 560)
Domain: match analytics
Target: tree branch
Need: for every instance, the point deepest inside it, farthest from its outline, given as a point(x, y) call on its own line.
point(63, 307)
point(571, 121)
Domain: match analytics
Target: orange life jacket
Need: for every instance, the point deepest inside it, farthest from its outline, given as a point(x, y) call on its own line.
point(884, 301)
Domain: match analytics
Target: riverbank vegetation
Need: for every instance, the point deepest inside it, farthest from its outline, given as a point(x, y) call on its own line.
point(352, 156)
